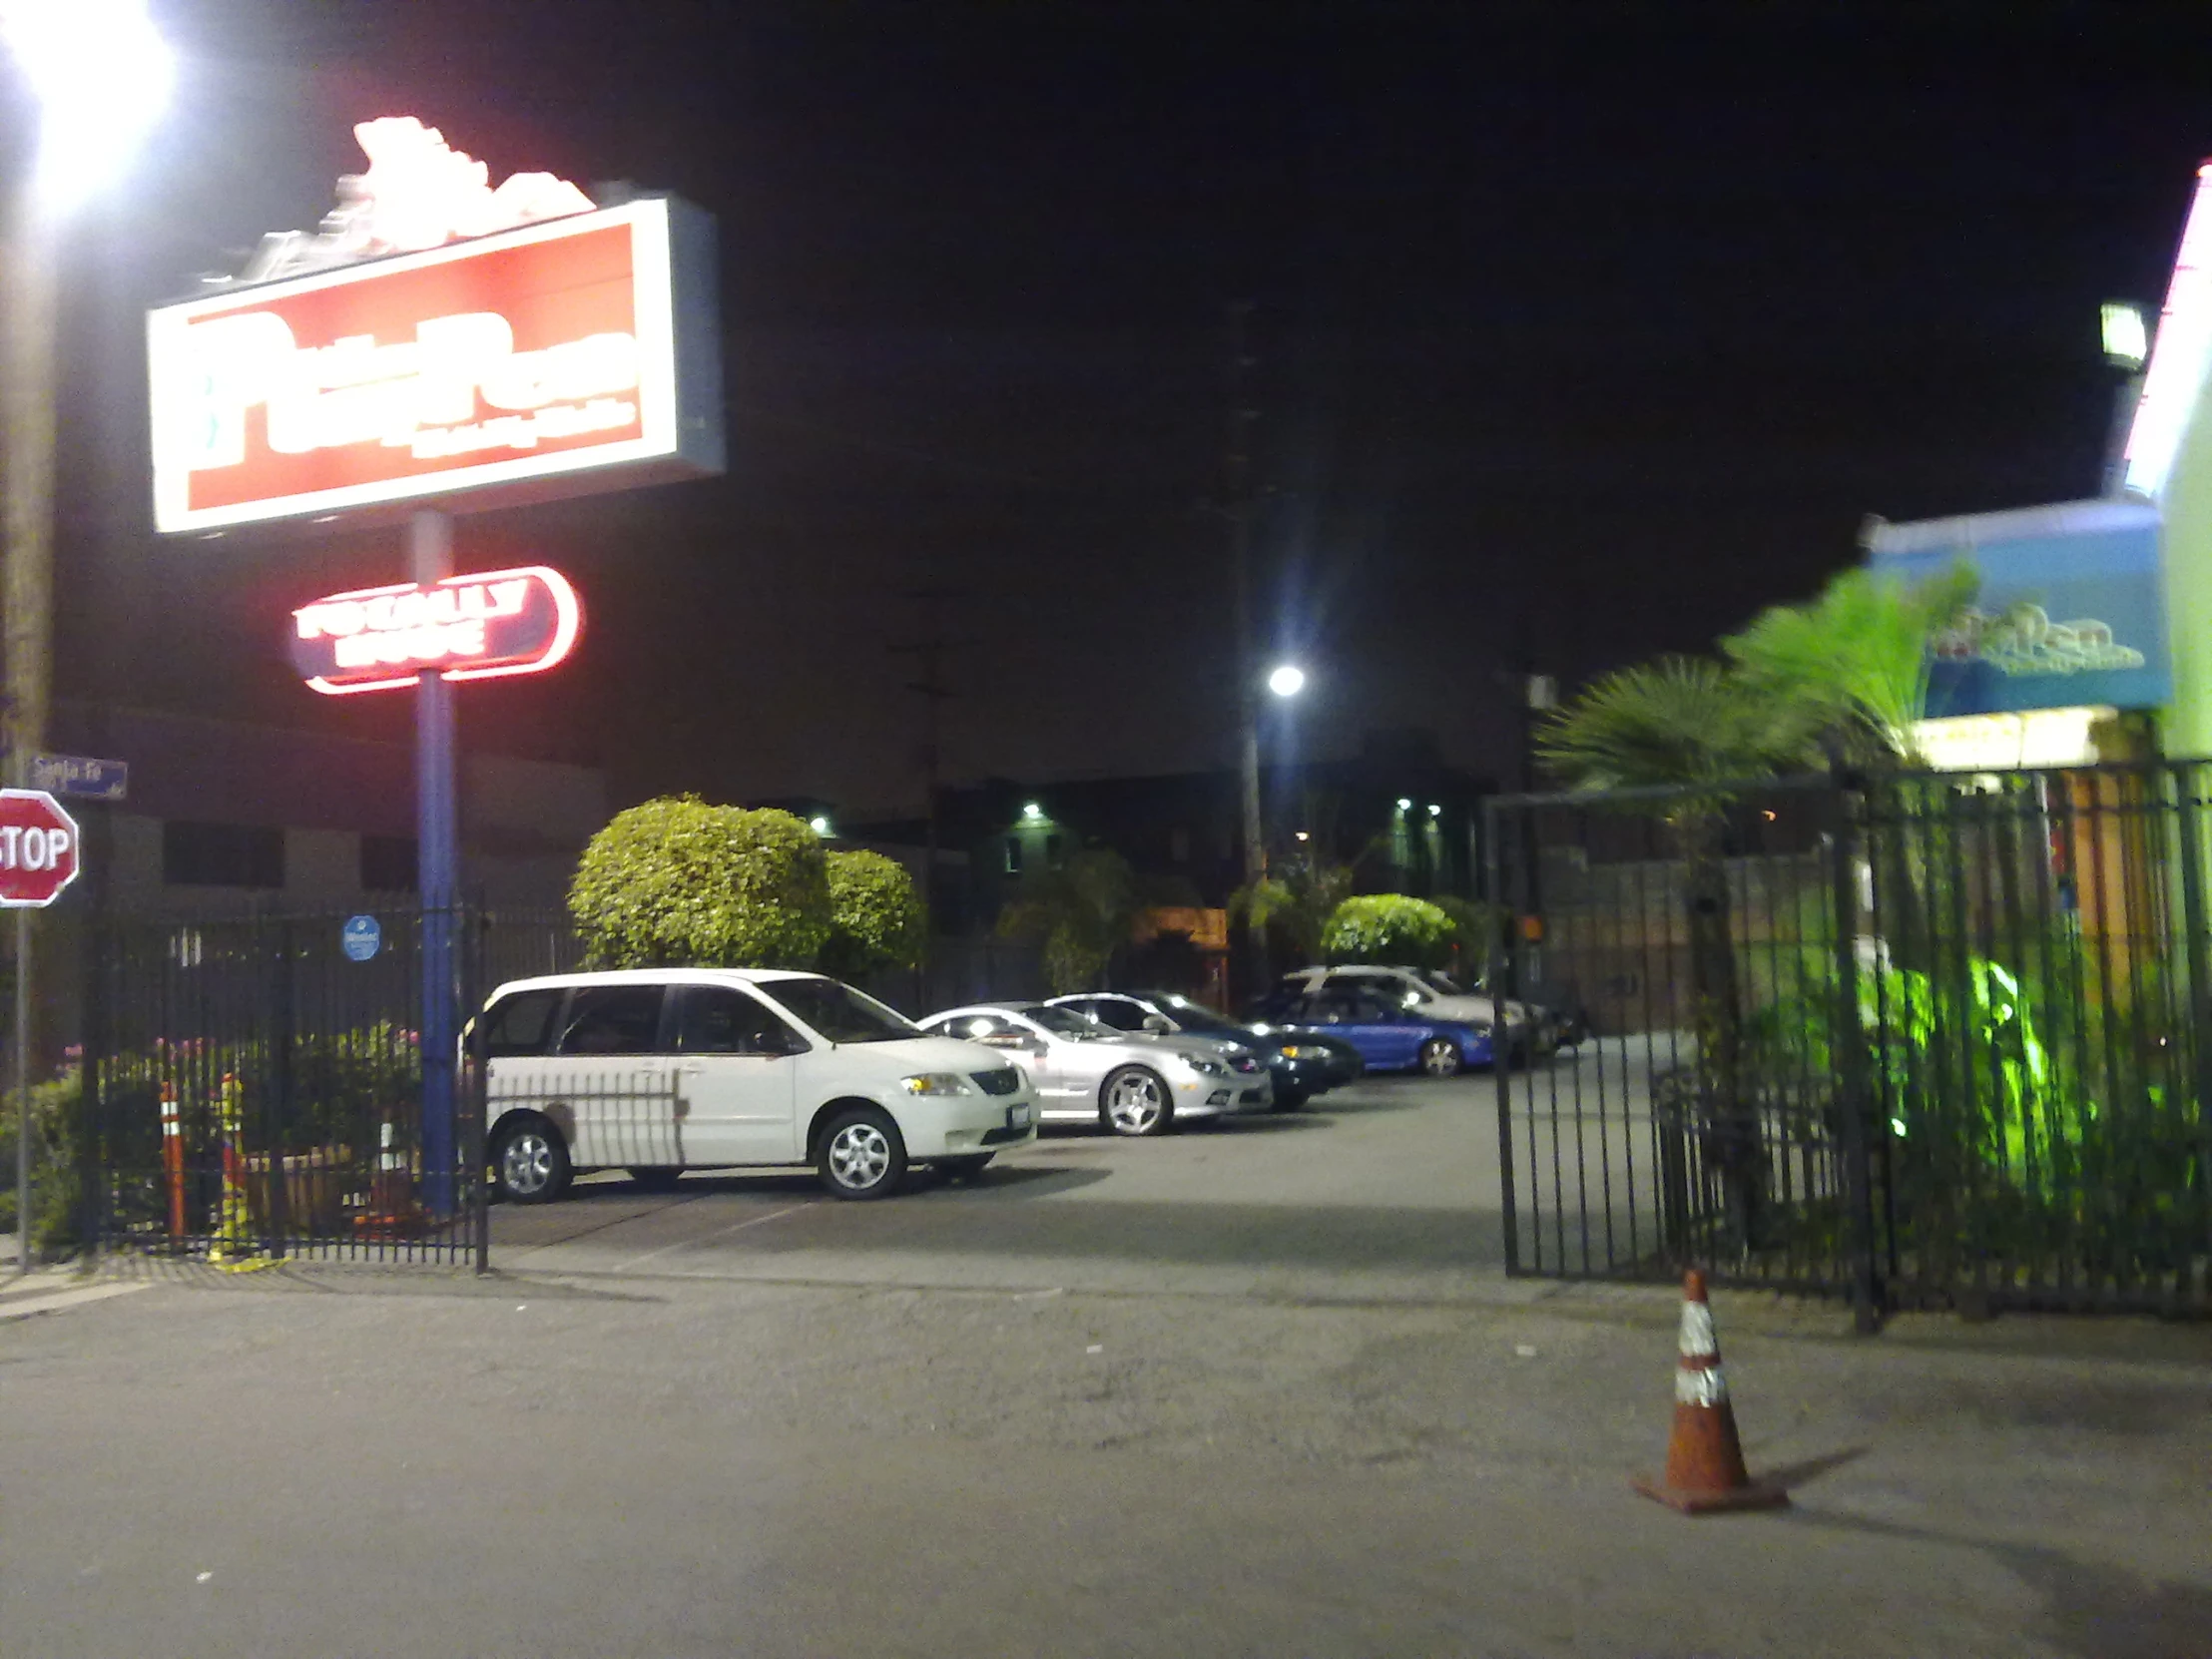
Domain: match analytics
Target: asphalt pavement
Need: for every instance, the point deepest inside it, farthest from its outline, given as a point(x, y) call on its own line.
point(1257, 1390)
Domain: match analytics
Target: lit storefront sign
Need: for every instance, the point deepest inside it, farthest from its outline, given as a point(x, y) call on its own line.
point(567, 354)
point(2004, 742)
point(521, 621)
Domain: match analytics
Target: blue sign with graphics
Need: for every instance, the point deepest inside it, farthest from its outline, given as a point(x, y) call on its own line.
point(2071, 609)
point(360, 938)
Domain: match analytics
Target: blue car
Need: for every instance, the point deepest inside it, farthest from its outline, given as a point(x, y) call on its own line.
point(1389, 1035)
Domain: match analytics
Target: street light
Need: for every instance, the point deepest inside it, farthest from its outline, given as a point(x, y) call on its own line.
point(1288, 680)
point(101, 74)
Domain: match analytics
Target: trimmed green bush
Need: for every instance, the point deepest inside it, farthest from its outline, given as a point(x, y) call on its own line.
point(1388, 927)
point(875, 916)
point(677, 883)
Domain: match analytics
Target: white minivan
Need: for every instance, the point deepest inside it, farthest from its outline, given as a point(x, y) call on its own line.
point(661, 1070)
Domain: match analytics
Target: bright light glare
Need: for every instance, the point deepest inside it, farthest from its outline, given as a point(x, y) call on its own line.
point(102, 75)
point(1032, 812)
point(2181, 354)
point(819, 826)
point(1286, 681)
point(1404, 804)
point(2127, 343)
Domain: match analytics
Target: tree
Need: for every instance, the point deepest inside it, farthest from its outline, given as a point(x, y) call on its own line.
point(1081, 914)
point(1853, 663)
point(1390, 928)
point(1294, 906)
point(677, 883)
point(875, 919)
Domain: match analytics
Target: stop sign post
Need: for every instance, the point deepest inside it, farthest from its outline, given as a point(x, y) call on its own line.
point(39, 845)
point(39, 857)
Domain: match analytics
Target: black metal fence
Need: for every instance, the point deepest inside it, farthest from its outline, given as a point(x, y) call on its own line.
point(1920, 1039)
point(251, 1091)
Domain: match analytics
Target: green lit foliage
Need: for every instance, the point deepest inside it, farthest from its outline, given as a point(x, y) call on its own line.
point(1390, 928)
point(875, 916)
point(1294, 905)
point(1854, 662)
point(675, 882)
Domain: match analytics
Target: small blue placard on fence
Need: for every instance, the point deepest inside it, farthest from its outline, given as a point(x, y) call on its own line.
point(360, 938)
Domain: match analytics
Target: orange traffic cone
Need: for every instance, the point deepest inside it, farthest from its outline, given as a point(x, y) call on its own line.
point(1705, 1461)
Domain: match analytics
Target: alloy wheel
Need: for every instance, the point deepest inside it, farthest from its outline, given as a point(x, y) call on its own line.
point(1134, 1103)
point(527, 1163)
point(1439, 1058)
point(859, 1156)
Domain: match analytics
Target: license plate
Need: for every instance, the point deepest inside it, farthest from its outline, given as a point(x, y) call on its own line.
point(1019, 1117)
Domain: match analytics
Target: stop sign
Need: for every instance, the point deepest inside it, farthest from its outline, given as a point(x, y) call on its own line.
point(38, 849)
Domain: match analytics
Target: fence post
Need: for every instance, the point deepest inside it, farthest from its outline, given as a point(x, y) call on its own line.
point(276, 1104)
point(1850, 1064)
point(1498, 972)
point(2194, 923)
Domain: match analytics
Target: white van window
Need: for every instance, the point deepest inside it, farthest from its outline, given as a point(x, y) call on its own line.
point(718, 1021)
point(613, 1019)
point(521, 1023)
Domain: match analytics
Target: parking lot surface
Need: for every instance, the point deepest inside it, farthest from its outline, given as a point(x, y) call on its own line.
point(1385, 1189)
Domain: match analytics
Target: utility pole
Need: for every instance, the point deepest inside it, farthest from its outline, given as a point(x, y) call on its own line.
point(1237, 509)
point(929, 648)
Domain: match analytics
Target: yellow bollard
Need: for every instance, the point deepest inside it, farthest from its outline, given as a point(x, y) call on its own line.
point(235, 1248)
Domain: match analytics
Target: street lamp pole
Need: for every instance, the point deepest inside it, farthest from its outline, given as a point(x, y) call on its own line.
point(1237, 506)
point(99, 72)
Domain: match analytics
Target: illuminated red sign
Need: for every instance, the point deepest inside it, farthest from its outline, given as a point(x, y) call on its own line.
point(522, 620)
point(573, 355)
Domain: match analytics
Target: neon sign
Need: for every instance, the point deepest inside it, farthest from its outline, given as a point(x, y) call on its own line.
point(521, 621)
point(569, 355)
point(2180, 354)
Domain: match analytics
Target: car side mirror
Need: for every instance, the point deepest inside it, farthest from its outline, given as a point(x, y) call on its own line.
point(1159, 1025)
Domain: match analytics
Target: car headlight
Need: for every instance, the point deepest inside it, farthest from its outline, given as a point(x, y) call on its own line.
point(1295, 1051)
point(1211, 1068)
point(935, 1083)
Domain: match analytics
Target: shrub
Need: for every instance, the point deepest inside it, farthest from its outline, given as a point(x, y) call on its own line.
point(677, 883)
point(1388, 927)
point(875, 916)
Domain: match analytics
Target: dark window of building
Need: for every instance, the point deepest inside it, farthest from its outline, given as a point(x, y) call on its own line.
point(521, 1023)
point(387, 864)
point(1013, 855)
point(222, 854)
point(614, 1019)
point(1179, 845)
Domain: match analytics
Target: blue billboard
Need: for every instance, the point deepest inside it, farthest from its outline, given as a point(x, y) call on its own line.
point(2071, 609)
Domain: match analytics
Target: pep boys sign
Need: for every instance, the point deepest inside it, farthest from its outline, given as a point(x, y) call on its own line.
point(464, 628)
point(571, 355)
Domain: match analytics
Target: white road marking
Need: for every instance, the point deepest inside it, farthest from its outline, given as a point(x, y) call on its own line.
point(733, 1227)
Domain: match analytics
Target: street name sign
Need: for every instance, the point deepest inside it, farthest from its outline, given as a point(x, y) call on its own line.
point(81, 776)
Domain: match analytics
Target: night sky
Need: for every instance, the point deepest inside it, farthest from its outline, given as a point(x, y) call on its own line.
point(1583, 333)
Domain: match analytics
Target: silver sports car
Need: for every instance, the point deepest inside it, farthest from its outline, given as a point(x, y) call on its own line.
point(1085, 1072)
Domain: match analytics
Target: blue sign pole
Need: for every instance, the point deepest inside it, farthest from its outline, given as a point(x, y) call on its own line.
point(437, 863)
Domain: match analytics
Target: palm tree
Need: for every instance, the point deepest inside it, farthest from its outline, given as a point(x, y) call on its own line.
point(1080, 912)
point(1854, 661)
point(1684, 722)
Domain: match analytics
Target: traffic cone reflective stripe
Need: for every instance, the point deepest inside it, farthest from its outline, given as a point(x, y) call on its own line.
point(1705, 1459)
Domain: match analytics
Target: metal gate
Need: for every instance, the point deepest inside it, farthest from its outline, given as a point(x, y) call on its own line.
point(251, 1092)
point(1917, 1039)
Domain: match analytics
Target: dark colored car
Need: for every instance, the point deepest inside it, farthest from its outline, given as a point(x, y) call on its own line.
point(1389, 1035)
point(1300, 1065)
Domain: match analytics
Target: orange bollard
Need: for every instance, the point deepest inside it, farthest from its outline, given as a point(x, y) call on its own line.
point(172, 1158)
point(1705, 1460)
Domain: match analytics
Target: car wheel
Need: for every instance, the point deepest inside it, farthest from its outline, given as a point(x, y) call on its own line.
point(1135, 1101)
point(861, 1155)
point(529, 1164)
point(965, 1168)
point(1289, 1102)
point(1441, 1057)
point(656, 1180)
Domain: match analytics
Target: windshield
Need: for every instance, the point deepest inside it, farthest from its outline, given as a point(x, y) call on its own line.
point(1195, 1016)
point(1442, 982)
point(841, 1013)
point(1063, 1022)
